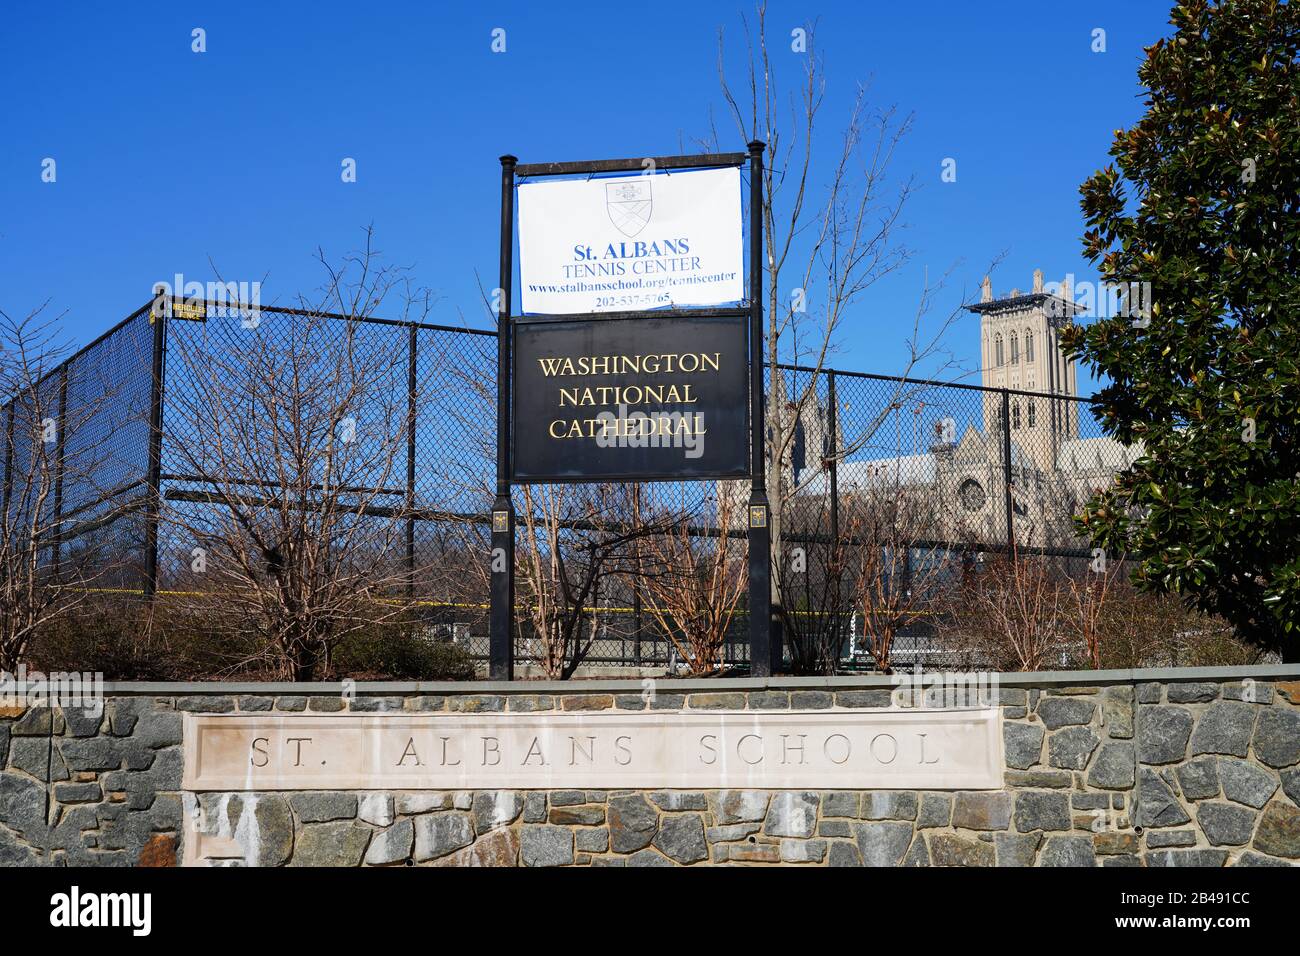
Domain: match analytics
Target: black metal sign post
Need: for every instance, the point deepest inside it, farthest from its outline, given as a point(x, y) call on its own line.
point(539, 337)
point(761, 655)
point(501, 650)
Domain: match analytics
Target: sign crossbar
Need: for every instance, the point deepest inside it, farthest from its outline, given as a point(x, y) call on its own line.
point(635, 165)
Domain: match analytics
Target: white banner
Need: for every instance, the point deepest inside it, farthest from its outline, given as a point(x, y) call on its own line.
point(630, 243)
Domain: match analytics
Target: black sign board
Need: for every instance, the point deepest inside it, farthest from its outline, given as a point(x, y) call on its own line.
point(635, 399)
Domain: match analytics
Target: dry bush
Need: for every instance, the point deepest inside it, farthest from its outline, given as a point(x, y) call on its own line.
point(691, 583)
point(1030, 613)
point(1139, 629)
point(128, 639)
point(895, 584)
point(576, 545)
point(294, 429)
point(1013, 615)
point(815, 588)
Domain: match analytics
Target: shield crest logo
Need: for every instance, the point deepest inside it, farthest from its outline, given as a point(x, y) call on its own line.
point(629, 204)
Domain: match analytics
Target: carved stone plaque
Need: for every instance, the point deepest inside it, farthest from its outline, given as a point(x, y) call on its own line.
point(826, 750)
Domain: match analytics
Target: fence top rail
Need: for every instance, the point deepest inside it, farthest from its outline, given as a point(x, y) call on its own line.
point(965, 386)
point(338, 316)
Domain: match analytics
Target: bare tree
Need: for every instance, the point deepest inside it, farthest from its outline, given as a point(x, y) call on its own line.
point(47, 399)
point(291, 430)
point(816, 603)
point(896, 580)
point(1088, 606)
point(575, 544)
point(692, 582)
point(1012, 615)
point(825, 246)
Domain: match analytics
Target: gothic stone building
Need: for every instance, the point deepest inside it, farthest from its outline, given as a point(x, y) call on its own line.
point(958, 483)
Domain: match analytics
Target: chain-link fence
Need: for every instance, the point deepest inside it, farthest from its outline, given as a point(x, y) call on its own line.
point(75, 445)
point(890, 493)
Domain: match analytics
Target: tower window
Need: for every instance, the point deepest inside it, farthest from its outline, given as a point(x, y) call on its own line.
point(1029, 346)
point(998, 359)
point(1015, 416)
point(1015, 348)
point(1031, 413)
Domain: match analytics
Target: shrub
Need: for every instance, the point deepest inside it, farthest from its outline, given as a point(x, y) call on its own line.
point(399, 652)
point(130, 641)
point(104, 638)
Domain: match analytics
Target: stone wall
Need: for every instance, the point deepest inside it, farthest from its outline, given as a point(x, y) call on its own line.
point(1188, 768)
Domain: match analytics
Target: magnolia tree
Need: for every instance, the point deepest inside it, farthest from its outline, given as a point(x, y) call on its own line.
point(1201, 206)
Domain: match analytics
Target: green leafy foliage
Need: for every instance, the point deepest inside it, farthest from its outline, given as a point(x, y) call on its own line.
point(1202, 201)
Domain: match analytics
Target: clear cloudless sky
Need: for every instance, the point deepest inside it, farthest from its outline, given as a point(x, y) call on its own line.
point(168, 160)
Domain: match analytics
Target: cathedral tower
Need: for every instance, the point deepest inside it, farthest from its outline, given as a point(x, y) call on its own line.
point(1020, 350)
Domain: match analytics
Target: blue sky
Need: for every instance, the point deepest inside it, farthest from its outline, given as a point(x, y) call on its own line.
point(167, 159)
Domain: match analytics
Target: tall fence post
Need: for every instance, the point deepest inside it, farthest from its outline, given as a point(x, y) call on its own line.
point(60, 448)
point(761, 651)
point(501, 652)
point(153, 499)
point(832, 458)
point(636, 625)
point(1006, 470)
point(411, 386)
point(1050, 347)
